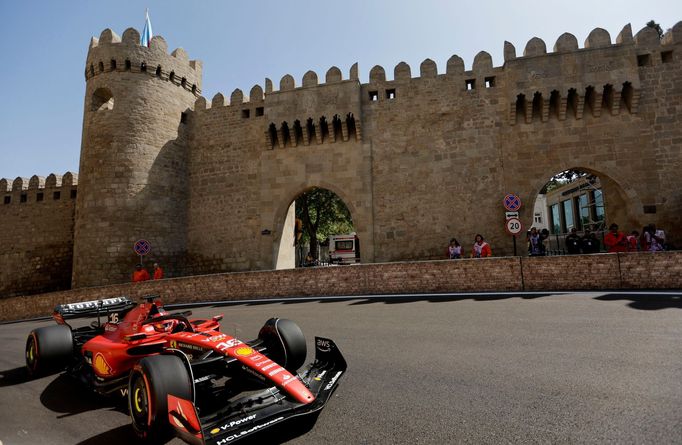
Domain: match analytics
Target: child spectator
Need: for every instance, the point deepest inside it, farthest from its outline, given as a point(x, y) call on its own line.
point(454, 249)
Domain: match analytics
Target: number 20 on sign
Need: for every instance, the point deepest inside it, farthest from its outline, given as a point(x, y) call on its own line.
point(514, 226)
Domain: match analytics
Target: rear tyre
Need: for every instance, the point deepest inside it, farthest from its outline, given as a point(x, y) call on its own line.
point(151, 380)
point(48, 349)
point(285, 343)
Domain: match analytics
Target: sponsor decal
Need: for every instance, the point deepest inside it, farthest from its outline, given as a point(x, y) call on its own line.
point(323, 345)
point(319, 377)
point(276, 371)
point(271, 365)
point(215, 338)
point(202, 379)
point(100, 365)
point(330, 385)
point(228, 344)
point(253, 373)
point(244, 351)
point(232, 423)
point(185, 346)
point(124, 392)
point(253, 429)
point(110, 327)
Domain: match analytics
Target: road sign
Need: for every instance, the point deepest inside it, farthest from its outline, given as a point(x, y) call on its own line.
point(510, 215)
point(514, 226)
point(512, 202)
point(142, 247)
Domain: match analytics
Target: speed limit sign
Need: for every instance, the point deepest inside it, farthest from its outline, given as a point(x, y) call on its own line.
point(514, 226)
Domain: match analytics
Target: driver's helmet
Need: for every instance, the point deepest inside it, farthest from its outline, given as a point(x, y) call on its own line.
point(163, 326)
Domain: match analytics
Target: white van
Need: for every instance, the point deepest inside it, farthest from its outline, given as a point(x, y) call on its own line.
point(344, 249)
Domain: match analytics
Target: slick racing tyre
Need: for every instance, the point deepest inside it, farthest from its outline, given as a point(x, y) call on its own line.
point(285, 343)
point(48, 349)
point(151, 381)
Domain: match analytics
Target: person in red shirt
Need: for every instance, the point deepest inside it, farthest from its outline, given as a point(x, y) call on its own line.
point(481, 249)
point(140, 274)
point(158, 272)
point(615, 240)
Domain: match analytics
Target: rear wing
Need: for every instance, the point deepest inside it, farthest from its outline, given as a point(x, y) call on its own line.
point(92, 308)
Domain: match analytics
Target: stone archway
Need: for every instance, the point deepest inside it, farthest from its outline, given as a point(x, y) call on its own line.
point(283, 254)
point(620, 202)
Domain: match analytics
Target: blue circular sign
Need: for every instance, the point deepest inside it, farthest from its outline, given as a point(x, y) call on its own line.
point(512, 202)
point(142, 247)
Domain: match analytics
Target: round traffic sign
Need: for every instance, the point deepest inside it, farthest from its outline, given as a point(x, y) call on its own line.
point(512, 202)
point(514, 226)
point(142, 247)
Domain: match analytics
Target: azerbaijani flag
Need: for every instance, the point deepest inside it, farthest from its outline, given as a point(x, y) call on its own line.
point(147, 31)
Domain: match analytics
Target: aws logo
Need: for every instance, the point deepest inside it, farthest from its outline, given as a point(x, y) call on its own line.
point(100, 365)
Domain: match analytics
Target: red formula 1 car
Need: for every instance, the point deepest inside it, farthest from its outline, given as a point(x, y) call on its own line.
point(184, 376)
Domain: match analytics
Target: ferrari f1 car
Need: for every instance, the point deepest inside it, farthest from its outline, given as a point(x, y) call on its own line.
point(183, 376)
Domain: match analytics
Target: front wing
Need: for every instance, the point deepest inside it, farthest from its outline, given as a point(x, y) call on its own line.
point(256, 412)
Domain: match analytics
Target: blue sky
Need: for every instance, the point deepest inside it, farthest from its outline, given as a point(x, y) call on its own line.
point(243, 42)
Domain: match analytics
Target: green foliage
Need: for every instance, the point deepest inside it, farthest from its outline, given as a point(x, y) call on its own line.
point(657, 27)
point(563, 178)
point(322, 213)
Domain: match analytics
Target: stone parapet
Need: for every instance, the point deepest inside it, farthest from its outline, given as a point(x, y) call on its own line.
point(578, 272)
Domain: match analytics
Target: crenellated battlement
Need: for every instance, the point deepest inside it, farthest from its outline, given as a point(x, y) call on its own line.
point(111, 53)
point(538, 85)
point(38, 188)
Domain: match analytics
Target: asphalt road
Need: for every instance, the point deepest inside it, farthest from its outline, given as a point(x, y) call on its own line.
point(572, 368)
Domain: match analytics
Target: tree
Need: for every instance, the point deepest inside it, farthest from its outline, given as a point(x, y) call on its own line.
point(565, 177)
point(656, 26)
point(322, 213)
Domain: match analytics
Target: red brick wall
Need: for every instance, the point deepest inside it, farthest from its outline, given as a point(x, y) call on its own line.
point(579, 272)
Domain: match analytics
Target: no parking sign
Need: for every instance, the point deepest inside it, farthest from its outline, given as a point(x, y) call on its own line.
point(142, 247)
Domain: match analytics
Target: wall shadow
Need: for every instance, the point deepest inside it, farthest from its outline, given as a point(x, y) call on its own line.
point(380, 299)
point(646, 302)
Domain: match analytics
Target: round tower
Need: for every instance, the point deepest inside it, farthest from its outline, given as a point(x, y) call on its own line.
point(133, 174)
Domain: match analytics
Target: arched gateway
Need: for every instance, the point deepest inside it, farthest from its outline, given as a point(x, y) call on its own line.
point(418, 160)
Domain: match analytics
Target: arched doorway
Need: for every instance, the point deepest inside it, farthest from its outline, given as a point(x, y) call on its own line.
point(312, 217)
point(581, 201)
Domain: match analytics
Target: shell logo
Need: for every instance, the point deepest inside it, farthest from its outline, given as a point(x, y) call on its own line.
point(100, 365)
point(244, 351)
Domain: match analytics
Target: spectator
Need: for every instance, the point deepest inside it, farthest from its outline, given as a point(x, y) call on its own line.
point(481, 249)
point(633, 244)
point(309, 261)
point(656, 239)
point(645, 240)
point(454, 249)
point(589, 243)
point(140, 274)
point(573, 242)
point(536, 246)
point(158, 272)
point(615, 241)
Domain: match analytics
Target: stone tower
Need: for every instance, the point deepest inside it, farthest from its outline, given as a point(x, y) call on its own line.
point(133, 164)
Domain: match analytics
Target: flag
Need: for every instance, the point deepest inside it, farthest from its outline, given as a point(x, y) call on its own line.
point(147, 31)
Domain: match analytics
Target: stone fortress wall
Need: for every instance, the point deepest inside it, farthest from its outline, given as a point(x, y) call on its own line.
point(416, 159)
point(37, 216)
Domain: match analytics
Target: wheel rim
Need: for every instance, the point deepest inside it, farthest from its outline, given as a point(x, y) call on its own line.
point(139, 402)
point(31, 353)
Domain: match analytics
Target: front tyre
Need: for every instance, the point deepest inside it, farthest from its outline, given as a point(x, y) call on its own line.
point(151, 381)
point(285, 343)
point(48, 349)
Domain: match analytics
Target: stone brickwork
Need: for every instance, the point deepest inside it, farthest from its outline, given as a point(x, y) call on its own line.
point(417, 157)
point(577, 272)
point(37, 217)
